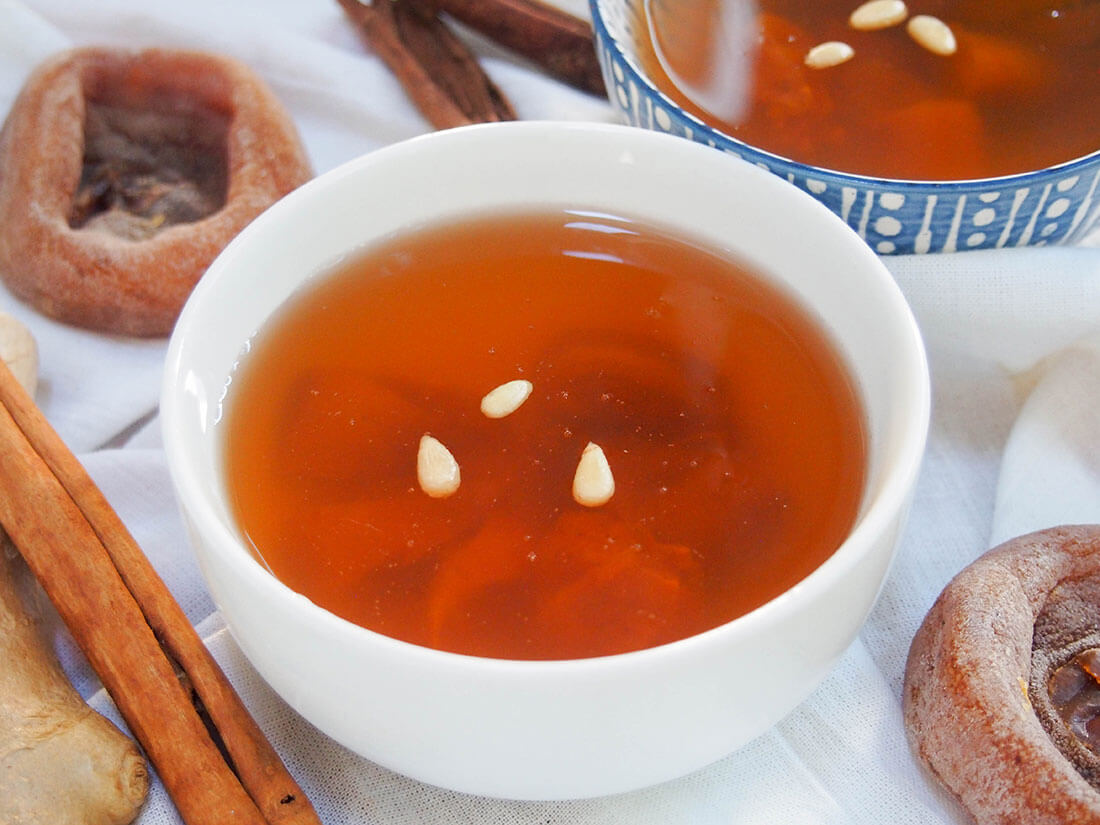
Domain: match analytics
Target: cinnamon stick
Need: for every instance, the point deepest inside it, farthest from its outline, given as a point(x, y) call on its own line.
point(438, 72)
point(133, 632)
point(556, 41)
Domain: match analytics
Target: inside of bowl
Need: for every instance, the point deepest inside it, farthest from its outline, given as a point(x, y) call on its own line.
point(772, 228)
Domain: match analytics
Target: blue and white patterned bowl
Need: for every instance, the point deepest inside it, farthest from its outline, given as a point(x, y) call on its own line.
point(1057, 205)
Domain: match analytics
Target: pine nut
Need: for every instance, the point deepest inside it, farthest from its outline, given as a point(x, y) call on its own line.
point(19, 351)
point(933, 34)
point(828, 54)
point(506, 399)
point(436, 469)
point(593, 483)
point(878, 14)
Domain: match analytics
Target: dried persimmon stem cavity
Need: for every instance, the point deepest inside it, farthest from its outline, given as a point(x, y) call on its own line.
point(145, 169)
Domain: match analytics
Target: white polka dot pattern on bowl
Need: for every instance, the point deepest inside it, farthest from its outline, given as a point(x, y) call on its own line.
point(1054, 206)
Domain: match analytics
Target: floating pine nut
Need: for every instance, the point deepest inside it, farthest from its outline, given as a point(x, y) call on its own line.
point(878, 14)
point(831, 53)
point(593, 483)
point(506, 399)
point(933, 34)
point(436, 469)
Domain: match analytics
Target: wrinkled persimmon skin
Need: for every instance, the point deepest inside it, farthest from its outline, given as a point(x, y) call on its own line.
point(968, 709)
point(93, 278)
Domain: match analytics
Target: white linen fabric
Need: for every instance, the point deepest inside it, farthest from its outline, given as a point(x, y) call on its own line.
point(1014, 345)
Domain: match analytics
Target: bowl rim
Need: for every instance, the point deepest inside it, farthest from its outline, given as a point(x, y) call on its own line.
point(890, 499)
point(755, 154)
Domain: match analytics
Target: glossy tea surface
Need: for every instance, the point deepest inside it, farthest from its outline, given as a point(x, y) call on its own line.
point(1020, 91)
point(732, 429)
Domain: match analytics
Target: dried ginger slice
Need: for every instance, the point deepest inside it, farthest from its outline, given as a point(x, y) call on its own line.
point(61, 763)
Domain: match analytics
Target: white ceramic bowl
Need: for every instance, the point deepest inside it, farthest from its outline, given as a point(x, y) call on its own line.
point(1056, 205)
point(548, 729)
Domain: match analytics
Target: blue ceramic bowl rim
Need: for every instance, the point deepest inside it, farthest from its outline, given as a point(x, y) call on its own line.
point(778, 163)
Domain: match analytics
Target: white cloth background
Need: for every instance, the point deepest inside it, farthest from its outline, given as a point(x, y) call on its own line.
point(1014, 343)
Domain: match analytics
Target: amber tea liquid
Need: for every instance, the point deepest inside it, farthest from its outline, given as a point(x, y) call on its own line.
point(1021, 91)
point(734, 433)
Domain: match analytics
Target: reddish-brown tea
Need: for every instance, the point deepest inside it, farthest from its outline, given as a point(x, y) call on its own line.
point(1020, 92)
point(733, 431)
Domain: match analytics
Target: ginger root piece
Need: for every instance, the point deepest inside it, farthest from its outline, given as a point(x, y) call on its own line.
point(123, 174)
point(61, 763)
